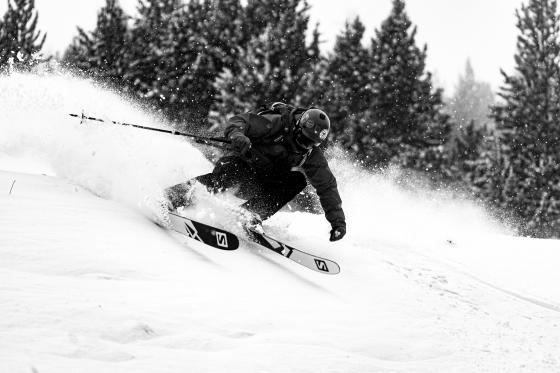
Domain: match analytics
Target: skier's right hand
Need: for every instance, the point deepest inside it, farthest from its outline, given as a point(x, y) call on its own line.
point(240, 143)
point(337, 233)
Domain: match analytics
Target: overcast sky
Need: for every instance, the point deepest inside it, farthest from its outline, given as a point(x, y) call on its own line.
point(454, 30)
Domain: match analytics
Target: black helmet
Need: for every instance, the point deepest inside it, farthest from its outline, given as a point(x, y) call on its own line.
point(312, 128)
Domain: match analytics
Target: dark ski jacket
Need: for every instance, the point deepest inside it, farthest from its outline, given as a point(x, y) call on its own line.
point(273, 151)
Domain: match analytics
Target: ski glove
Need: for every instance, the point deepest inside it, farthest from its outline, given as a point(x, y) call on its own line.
point(240, 143)
point(337, 233)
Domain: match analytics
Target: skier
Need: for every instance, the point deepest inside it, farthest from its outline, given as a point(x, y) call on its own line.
point(270, 148)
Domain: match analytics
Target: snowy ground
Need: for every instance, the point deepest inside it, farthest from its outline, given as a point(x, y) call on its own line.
point(88, 283)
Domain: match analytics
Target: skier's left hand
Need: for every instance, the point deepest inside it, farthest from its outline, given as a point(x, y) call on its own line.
point(240, 142)
point(337, 233)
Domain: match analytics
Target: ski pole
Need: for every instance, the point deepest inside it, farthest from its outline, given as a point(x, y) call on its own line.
point(198, 138)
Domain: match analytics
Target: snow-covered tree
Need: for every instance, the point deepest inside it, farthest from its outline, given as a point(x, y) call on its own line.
point(469, 109)
point(471, 101)
point(104, 50)
point(205, 39)
point(405, 124)
point(182, 65)
point(273, 64)
point(20, 40)
point(346, 86)
point(178, 50)
point(465, 151)
point(148, 48)
point(225, 30)
point(528, 122)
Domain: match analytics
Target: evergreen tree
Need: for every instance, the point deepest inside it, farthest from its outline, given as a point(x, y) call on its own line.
point(529, 123)
point(471, 101)
point(20, 40)
point(314, 77)
point(225, 32)
point(484, 175)
point(205, 39)
point(260, 14)
point(274, 63)
point(184, 65)
point(346, 86)
point(469, 109)
point(149, 46)
point(466, 148)
point(468, 141)
point(405, 124)
point(103, 51)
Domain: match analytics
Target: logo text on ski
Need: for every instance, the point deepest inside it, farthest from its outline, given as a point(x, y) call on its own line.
point(191, 231)
point(321, 265)
point(279, 247)
point(286, 251)
point(221, 239)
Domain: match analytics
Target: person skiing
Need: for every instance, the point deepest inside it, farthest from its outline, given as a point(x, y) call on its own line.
point(269, 149)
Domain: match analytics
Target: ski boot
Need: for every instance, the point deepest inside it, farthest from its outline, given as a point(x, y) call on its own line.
point(252, 224)
point(180, 195)
point(158, 210)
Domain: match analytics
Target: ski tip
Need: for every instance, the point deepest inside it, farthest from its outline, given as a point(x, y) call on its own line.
point(326, 266)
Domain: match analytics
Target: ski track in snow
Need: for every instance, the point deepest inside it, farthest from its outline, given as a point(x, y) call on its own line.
point(88, 282)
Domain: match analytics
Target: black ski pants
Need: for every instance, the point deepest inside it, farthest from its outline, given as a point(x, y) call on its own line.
point(266, 193)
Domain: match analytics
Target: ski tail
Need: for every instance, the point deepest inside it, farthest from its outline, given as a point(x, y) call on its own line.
point(207, 234)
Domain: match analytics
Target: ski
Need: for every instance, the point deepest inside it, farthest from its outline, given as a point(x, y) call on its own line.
point(310, 261)
point(224, 240)
point(207, 234)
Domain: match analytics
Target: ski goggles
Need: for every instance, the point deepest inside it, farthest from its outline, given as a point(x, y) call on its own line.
point(304, 141)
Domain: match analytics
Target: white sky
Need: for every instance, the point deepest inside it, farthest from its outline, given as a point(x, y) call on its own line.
point(482, 30)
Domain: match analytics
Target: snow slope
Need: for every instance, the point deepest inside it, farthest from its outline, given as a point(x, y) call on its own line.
point(89, 283)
